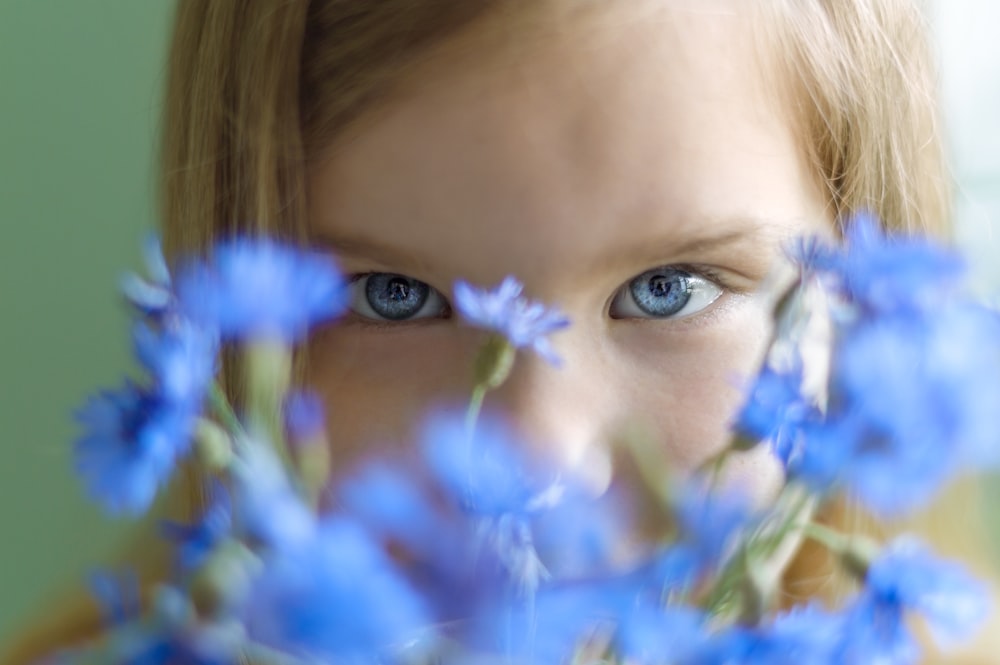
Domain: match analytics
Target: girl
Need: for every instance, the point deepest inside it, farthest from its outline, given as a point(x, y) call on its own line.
point(639, 162)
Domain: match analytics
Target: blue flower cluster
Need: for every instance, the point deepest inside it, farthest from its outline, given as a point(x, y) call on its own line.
point(133, 436)
point(914, 380)
point(466, 549)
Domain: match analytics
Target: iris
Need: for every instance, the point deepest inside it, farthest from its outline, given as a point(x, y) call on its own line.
point(395, 297)
point(661, 292)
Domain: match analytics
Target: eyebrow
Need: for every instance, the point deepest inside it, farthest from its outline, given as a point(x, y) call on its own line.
point(686, 245)
point(360, 247)
point(680, 246)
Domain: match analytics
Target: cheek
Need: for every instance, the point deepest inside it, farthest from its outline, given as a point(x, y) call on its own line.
point(690, 385)
point(378, 386)
point(688, 381)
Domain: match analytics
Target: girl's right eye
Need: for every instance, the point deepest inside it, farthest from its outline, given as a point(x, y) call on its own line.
point(383, 296)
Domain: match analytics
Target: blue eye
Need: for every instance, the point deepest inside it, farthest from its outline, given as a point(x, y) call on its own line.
point(384, 296)
point(664, 293)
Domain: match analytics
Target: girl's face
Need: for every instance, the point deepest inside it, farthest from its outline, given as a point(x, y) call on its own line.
point(643, 138)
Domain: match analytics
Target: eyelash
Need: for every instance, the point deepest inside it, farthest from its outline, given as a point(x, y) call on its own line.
point(699, 274)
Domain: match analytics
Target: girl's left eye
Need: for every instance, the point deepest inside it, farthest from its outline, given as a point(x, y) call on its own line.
point(664, 293)
point(383, 296)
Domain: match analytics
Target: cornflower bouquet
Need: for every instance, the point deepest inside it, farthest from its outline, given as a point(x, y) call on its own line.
point(880, 384)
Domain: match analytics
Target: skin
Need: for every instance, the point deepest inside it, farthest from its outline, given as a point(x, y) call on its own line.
point(576, 156)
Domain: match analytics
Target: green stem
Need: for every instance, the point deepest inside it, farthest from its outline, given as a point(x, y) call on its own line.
point(224, 411)
point(832, 540)
point(792, 508)
point(475, 407)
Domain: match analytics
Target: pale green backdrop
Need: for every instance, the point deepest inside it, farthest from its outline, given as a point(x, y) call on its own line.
point(80, 87)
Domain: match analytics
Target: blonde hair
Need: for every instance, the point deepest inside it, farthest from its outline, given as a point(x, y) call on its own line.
point(256, 87)
point(864, 88)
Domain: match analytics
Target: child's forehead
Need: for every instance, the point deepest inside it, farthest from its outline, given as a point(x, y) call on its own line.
point(644, 127)
point(696, 48)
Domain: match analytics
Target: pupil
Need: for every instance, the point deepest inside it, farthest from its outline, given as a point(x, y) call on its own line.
point(660, 286)
point(398, 289)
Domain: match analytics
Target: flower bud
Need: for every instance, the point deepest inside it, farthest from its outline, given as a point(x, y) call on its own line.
point(224, 580)
point(212, 445)
point(494, 362)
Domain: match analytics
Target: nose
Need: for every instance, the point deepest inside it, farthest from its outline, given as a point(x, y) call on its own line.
point(564, 414)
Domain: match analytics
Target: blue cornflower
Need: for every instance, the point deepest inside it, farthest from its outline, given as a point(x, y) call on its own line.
point(524, 323)
point(805, 634)
point(912, 400)
point(271, 510)
point(153, 295)
point(169, 633)
point(775, 409)
point(580, 535)
point(194, 542)
point(391, 504)
point(131, 442)
point(334, 597)
point(648, 632)
point(117, 594)
point(567, 613)
point(710, 520)
point(259, 288)
point(482, 470)
point(181, 358)
point(930, 381)
point(881, 272)
point(906, 577)
point(304, 417)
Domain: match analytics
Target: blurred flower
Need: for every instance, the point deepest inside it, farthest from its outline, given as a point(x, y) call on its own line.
point(913, 400)
point(334, 597)
point(270, 510)
point(710, 519)
point(168, 634)
point(152, 295)
point(117, 594)
point(883, 273)
point(648, 631)
point(390, 502)
point(181, 358)
point(524, 323)
point(130, 444)
point(258, 288)
point(914, 383)
point(581, 534)
point(193, 542)
point(805, 634)
point(906, 577)
point(775, 409)
point(481, 470)
point(304, 419)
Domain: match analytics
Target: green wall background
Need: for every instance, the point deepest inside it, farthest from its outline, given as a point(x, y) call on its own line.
point(80, 84)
